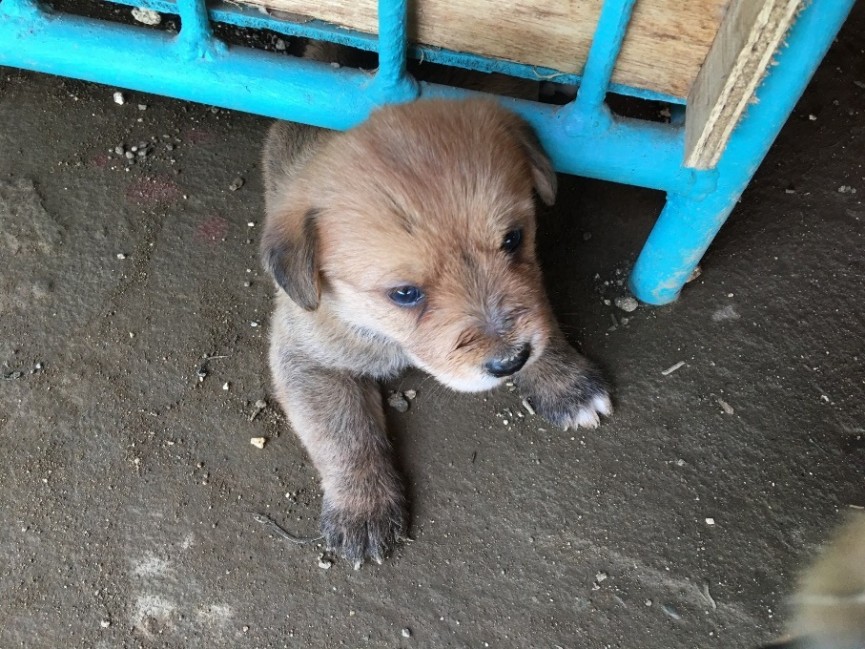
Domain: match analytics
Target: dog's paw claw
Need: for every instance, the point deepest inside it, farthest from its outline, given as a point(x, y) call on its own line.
point(357, 538)
point(576, 403)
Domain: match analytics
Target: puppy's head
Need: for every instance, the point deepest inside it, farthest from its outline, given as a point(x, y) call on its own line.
point(419, 225)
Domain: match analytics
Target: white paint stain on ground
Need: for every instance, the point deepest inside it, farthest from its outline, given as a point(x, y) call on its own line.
point(152, 613)
point(151, 566)
point(214, 615)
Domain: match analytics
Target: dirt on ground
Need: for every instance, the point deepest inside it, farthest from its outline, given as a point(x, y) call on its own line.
point(133, 329)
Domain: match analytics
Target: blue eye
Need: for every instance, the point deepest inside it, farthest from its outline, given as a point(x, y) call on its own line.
point(406, 295)
point(512, 240)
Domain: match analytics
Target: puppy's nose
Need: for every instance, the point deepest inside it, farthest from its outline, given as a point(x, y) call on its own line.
point(511, 364)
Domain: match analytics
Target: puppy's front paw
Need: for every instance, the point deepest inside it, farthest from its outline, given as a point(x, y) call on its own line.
point(357, 536)
point(565, 390)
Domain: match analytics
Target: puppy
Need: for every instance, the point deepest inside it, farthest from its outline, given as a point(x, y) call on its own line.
point(407, 241)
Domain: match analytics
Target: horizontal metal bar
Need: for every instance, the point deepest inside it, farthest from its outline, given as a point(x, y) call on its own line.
point(250, 17)
point(626, 151)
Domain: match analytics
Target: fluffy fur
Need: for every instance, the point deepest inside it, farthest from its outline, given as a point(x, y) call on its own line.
point(421, 195)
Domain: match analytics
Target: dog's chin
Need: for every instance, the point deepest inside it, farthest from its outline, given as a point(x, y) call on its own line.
point(479, 383)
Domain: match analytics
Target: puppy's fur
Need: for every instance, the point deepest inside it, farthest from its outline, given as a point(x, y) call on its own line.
point(423, 195)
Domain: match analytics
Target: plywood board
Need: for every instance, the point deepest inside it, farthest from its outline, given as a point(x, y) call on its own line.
point(665, 47)
point(746, 41)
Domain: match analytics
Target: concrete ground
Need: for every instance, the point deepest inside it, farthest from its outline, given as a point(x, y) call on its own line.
point(129, 480)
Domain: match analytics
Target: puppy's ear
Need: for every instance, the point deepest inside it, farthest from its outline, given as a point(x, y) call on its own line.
point(543, 174)
point(288, 252)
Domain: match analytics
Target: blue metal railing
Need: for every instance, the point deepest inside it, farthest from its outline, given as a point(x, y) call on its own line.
point(582, 138)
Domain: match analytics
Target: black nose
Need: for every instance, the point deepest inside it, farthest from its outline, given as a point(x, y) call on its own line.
point(511, 364)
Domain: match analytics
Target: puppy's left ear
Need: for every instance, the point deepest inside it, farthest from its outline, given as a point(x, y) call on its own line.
point(543, 174)
point(288, 252)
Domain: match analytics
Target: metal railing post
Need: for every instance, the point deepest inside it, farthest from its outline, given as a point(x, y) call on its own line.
point(392, 83)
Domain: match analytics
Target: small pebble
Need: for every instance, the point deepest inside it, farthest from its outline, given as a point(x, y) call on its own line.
point(812, 117)
point(258, 442)
point(528, 407)
point(105, 624)
point(726, 407)
point(324, 563)
point(627, 304)
point(129, 155)
point(121, 256)
point(710, 521)
point(398, 402)
point(119, 150)
point(253, 324)
point(279, 45)
point(406, 632)
point(694, 274)
point(225, 386)
point(142, 106)
point(119, 99)
point(236, 184)
point(601, 576)
point(410, 394)
point(587, 236)
point(146, 16)
point(260, 405)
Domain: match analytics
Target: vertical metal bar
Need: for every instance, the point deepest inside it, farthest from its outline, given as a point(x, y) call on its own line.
point(196, 36)
point(598, 70)
point(690, 221)
point(392, 84)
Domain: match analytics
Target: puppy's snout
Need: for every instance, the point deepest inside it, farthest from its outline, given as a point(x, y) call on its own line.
point(510, 364)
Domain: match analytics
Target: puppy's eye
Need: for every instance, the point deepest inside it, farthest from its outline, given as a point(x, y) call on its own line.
point(512, 240)
point(406, 295)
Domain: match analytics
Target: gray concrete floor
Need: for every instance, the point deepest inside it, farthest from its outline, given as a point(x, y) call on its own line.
point(128, 483)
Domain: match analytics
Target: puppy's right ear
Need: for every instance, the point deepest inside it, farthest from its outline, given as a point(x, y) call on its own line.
point(288, 252)
point(543, 172)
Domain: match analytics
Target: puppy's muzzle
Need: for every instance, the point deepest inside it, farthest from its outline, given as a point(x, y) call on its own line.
point(510, 364)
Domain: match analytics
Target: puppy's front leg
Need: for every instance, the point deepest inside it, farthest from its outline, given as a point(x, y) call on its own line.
point(340, 420)
point(564, 387)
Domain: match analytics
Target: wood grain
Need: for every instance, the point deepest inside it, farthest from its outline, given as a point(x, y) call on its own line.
point(666, 44)
point(735, 65)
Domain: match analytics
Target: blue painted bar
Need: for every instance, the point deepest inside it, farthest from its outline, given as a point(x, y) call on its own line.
point(245, 16)
point(689, 221)
point(196, 36)
point(582, 138)
point(392, 84)
point(630, 151)
point(603, 54)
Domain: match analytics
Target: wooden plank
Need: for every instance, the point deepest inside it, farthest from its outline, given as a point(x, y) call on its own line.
point(666, 43)
point(735, 65)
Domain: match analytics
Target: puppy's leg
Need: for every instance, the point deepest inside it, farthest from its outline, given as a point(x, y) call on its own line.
point(340, 420)
point(564, 388)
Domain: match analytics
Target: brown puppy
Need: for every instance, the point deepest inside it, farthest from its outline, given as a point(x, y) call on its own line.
point(407, 241)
